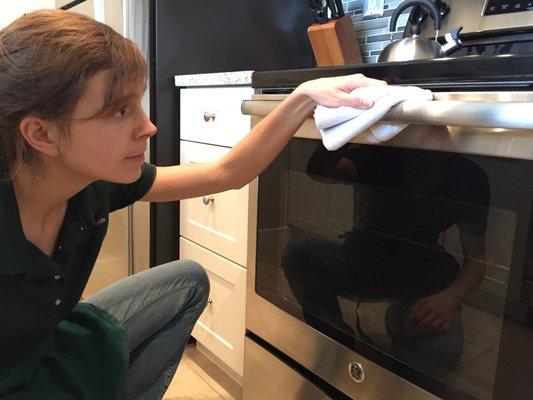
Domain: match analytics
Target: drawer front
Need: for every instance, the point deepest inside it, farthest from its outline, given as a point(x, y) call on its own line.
point(219, 221)
point(220, 328)
point(213, 115)
point(196, 153)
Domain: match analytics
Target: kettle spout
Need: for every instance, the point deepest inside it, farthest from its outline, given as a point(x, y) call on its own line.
point(453, 42)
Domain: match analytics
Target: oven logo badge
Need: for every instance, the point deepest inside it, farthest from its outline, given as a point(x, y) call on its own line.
point(356, 372)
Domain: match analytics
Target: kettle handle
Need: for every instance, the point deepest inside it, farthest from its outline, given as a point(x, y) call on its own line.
point(422, 3)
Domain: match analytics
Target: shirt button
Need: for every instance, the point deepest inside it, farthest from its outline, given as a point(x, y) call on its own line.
point(59, 248)
point(57, 277)
point(57, 302)
point(82, 228)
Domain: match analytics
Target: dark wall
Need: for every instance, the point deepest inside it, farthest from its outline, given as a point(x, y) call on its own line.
point(201, 36)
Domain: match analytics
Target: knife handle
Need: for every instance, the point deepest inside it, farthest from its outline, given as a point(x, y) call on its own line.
point(340, 8)
point(332, 5)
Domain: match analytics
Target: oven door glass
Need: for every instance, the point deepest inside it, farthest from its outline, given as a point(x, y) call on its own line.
point(410, 257)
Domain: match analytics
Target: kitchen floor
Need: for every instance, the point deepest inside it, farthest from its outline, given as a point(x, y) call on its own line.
point(197, 378)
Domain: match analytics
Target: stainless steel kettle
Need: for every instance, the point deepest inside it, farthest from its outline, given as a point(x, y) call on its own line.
point(415, 47)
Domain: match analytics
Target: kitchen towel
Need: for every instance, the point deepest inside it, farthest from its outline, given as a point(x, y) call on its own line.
point(340, 125)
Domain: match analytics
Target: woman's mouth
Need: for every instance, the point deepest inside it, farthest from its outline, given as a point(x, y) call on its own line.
point(139, 158)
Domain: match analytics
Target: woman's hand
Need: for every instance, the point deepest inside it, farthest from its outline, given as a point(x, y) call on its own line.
point(435, 313)
point(335, 92)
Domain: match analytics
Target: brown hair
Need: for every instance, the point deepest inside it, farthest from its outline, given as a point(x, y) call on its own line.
point(46, 58)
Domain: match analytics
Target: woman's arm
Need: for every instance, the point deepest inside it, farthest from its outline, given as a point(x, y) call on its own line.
point(259, 148)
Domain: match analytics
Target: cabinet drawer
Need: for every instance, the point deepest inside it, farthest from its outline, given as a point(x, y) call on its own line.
point(219, 222)
point(220, 328)
point(213, 115)
point(196, 153)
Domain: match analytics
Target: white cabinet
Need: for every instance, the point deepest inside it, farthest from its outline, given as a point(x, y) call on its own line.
point(214, 229)
point(221, 326)
point(219, 221)
point(213, 115)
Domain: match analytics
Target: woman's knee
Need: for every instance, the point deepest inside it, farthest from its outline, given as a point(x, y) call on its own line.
point(188, 273)
point(197, 275)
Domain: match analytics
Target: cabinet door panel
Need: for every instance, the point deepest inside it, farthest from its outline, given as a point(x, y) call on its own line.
point(220, 328)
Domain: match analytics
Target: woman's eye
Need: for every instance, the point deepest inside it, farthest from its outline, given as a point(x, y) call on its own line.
point(120, 113)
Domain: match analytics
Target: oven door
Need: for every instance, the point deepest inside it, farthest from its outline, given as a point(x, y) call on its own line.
point(409, 261)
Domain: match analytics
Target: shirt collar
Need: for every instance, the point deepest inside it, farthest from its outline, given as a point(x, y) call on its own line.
point(87, 208)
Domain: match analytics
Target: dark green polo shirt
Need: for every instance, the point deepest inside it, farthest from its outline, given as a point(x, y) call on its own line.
point(39, 295)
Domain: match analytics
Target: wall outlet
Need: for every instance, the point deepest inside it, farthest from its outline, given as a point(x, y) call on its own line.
point(373, 8)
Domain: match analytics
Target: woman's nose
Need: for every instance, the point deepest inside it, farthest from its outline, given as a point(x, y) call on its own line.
point(148, 129)
point(151, 129)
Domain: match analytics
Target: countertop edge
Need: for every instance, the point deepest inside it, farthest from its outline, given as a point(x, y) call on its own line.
point(214, 79)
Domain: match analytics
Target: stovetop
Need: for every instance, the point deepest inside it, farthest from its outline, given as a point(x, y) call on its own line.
point(501, 72)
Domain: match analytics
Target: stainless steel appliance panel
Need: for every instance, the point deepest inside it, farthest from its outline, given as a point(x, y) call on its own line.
point(268, 378)
point(476, 358)
point(487, 123)
point(320, 354)
point(471, 19)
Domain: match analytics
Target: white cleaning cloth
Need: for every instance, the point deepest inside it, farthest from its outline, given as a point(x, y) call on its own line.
point(340, 125)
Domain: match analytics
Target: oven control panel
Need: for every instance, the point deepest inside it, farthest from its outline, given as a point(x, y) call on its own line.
point(482, 16)
point(493, 7)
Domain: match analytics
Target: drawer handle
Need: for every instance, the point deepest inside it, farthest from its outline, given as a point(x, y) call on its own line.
point(208, 199)
point(209, 116)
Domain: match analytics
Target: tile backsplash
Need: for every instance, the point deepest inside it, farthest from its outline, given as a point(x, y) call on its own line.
point(374, 34)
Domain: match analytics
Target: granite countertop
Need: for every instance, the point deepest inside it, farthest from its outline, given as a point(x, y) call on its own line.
point(238, 78)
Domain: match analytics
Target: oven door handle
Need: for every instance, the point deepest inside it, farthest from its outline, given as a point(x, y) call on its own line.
point(507, 115)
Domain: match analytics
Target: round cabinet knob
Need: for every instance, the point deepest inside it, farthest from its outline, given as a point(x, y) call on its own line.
point(210, 301)
point(209, 116)
point(208, 199)
point(356, 372)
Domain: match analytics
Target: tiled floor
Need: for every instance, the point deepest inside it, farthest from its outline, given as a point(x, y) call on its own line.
point(197, 378)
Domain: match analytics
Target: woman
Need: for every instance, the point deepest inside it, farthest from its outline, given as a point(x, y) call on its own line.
point(73, 135)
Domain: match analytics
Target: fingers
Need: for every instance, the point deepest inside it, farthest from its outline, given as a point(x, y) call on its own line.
point(373, 82)
point(444, 326)
point(345, 99)
point(428, 320)
point(335, 92)
point(420, 313)
point(432, 322)
point(358, 80)
point(352, 82)
point(427, 325)
point(435, 324)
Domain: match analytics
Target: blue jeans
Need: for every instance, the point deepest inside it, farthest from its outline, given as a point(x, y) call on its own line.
point(158, 309)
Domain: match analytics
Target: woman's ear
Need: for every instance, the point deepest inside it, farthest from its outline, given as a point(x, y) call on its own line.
point(40, 134)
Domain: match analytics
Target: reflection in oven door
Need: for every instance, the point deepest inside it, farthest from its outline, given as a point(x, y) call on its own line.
point(408, 257)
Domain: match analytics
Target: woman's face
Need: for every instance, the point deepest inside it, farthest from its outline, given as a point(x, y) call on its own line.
point(109, 148)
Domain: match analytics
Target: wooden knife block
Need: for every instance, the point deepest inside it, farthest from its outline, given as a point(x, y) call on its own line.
point(335, 43)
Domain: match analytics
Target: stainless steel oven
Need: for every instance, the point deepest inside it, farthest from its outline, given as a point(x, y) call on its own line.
point(357, 248)
point(402, 271)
